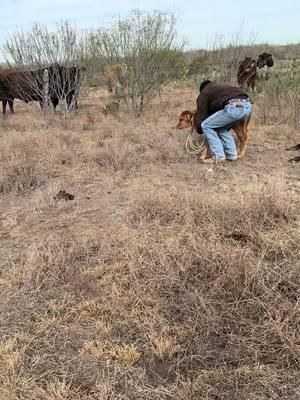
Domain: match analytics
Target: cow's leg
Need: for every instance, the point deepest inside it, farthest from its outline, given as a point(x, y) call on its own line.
point(54, 101)
point(11, 106)
point(4, 103)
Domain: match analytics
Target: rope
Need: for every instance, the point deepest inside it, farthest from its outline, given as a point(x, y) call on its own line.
point(193, 145)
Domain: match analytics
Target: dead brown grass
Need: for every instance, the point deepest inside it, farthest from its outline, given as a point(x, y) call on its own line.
point(163, 279)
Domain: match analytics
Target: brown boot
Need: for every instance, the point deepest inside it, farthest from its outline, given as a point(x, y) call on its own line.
point(212, 160)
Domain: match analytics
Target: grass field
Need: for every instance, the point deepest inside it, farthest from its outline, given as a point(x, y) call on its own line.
point(163, 278)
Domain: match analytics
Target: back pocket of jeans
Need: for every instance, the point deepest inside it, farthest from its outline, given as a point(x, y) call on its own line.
point(234, 111)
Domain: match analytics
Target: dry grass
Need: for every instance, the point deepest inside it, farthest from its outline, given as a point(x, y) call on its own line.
point(163, 279)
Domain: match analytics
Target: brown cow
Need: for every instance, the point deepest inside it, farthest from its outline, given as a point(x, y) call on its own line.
point(246, 74)
point(247, 71)
point(64, 83)
point(20, 84)
point(8, 78)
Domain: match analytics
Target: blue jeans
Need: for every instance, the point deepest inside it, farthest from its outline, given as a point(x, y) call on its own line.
point(216, 129)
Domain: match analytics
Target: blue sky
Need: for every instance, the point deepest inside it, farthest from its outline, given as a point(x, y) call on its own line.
point(273, 21)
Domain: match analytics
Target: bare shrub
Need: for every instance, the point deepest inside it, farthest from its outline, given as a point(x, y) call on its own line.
point(30, 53)
point(139, 54)
point(40, 46)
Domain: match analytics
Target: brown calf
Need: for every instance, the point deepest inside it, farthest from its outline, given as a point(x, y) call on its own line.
point(187, 119)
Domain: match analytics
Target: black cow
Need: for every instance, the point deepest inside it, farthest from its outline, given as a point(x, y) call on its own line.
point(64, 83)
point(265, 59)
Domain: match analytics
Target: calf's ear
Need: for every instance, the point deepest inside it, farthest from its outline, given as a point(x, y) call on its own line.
point(191, 116)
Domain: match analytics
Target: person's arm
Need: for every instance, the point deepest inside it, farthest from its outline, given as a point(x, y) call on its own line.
point(202, 111)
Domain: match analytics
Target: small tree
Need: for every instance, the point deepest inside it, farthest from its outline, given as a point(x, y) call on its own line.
point(29, 53)
point(143, 49)
point(41, 47)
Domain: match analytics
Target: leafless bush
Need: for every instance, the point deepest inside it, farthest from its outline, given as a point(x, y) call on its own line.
point(139, 55)
point(29, 53)
point(40, 47)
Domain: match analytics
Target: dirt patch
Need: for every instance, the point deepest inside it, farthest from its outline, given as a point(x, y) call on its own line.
point(162, 278)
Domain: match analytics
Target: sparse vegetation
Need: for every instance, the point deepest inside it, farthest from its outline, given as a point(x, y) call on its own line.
point(140, 54)
point(162, 279)
point(40, 46)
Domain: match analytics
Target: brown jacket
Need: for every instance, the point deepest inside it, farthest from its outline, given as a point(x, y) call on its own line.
point(212, 99)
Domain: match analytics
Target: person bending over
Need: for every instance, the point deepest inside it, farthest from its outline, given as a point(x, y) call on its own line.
point(219, 107)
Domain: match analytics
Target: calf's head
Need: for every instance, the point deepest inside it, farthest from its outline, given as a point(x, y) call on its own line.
point(186, 119)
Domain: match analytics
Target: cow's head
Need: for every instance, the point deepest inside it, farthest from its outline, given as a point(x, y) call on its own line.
point(186, 119)
point(265, 59)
